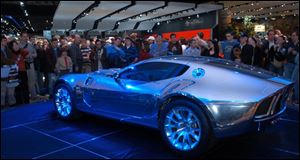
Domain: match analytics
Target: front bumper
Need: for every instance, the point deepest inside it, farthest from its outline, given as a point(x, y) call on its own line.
point(256, 125)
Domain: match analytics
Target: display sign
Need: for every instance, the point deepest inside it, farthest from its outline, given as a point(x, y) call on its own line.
point(259, 28)
point(47, 34)
point(203, 21)
point(190, 34)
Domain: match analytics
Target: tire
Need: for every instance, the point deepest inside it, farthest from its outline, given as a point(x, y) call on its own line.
point(196, 147)
point(70, 111)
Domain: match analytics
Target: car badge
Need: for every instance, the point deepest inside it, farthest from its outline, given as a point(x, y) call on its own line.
point(198, 73)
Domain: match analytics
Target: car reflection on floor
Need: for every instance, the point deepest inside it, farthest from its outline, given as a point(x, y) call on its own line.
point(33, 131)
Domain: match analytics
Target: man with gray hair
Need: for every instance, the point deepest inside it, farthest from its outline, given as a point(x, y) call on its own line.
point(32, 82)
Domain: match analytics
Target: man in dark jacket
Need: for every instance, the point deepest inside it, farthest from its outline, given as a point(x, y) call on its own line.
point(247, 50)
point(131, 52)
point(174, 46)
point(49, 60)
point(75, 54)
point(268, 48)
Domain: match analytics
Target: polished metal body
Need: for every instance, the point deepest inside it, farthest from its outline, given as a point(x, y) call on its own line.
point(229, 93)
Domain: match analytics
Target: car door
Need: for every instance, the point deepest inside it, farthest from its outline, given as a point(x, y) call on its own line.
point(129, 94)
point(135, 90)
point(140, 87)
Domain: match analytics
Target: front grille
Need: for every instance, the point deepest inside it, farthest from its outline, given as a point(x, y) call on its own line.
point(278, 105)
point(273, 104)
point(264, 107)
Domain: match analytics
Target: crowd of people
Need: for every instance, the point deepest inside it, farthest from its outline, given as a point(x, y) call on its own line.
point(41, 62)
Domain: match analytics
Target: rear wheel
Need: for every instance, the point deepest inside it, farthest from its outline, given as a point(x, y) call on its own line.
point(185, 128)
point(64, 102)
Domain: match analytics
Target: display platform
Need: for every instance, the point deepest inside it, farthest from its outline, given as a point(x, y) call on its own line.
point(34, 131)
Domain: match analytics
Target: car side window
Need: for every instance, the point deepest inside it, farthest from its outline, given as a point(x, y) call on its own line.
point(154, 71)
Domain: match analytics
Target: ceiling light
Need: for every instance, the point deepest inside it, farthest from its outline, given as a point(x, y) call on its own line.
point(158, 23)
point(141, 15)
point(252, 4)
point(21, 3)
point(189, 17)
point(197, 15)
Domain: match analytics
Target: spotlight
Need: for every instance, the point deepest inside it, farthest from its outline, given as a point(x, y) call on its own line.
point(158, 23)
point(21, 3)
point(141, 15)
point(197, 15)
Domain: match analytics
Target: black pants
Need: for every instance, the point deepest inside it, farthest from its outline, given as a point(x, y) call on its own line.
point(22, 91)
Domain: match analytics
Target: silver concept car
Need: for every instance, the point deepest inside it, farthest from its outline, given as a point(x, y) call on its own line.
point(191, 100)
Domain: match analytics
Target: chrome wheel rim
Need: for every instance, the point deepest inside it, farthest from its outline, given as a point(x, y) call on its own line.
point(182, 128)
point(63, 102)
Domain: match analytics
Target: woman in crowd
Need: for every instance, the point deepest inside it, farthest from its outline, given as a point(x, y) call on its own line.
point(213, 48)
point(183, 43)
point(7, 61)
point(256, 56)
point(19, 55)
point(144, 52)
point(237, 52)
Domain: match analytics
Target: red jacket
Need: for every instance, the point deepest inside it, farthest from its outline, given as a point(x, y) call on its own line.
point(19, 57)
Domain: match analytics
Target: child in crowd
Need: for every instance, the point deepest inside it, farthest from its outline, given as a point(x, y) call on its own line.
point(64, 63)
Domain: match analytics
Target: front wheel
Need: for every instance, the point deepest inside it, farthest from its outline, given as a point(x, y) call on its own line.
point(185, 128)
point(64, 102)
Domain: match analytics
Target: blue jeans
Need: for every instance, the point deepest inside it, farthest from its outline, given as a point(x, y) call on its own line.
point(288, 70)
